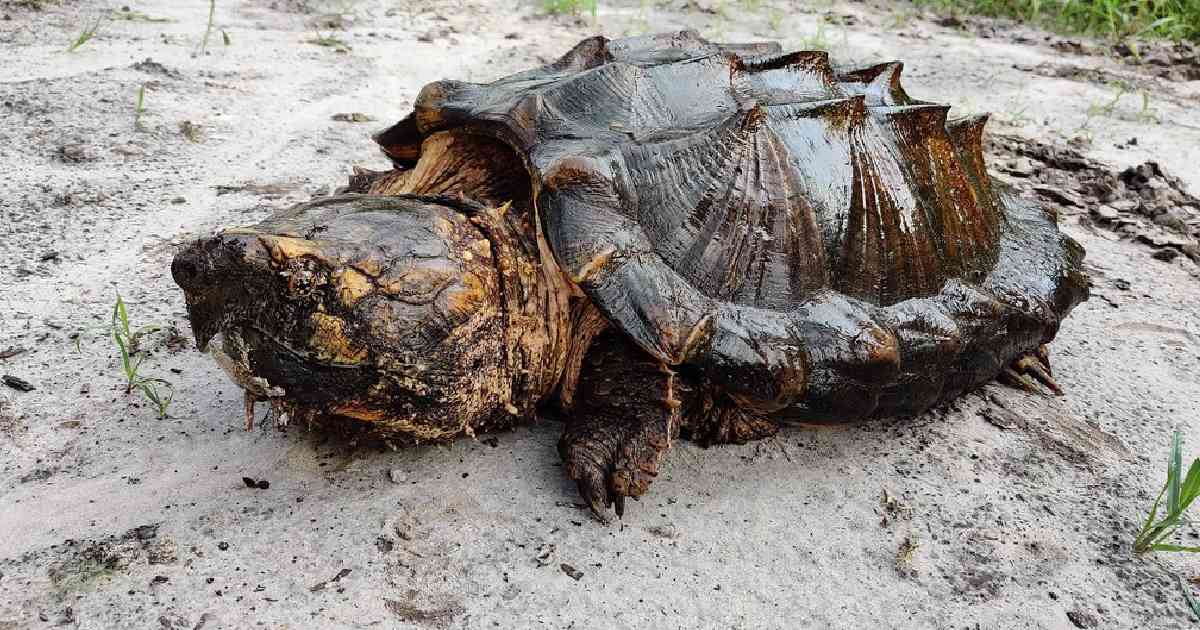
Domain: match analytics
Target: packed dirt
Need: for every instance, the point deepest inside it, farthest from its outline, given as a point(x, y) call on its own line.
point(1002, 510)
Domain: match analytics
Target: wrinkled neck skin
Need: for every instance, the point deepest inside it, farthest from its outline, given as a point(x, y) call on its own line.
point(536, 304)
point(547, 321)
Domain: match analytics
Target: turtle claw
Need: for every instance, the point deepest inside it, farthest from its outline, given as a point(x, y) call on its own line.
point(248, 400)
point(627, 411)
point(1030, 367)
point(594, 494)
point(610, 460)
point(1043, 355)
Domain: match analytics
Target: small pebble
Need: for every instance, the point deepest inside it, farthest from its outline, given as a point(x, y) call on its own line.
point(18, 384)
point(571, 571)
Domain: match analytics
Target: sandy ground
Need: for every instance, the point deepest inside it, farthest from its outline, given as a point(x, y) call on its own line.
point(1005, 510)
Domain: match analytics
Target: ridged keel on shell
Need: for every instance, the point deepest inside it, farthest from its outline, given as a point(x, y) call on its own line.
point(813, 241)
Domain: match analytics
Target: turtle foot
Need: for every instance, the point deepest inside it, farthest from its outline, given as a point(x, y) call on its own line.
point(626, 412)
point(611, 458)
point(1023, 371)
point(728, 424)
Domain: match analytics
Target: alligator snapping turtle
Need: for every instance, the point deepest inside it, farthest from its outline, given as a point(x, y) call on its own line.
point(666, 236)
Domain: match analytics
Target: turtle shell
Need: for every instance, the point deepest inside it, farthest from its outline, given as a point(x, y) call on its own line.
point(814, 242)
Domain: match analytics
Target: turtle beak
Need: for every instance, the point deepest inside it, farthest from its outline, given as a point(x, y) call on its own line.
point(217, 274)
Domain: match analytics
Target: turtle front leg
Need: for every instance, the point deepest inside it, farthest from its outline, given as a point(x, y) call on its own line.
point(626, 413)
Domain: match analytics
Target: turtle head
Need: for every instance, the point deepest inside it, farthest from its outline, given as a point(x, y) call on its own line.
point(380, 309)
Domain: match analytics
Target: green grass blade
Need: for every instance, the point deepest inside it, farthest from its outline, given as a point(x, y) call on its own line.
point(212, 12)
point(124, 350)
point(1170, 547)
point(1173, 474)
point(140, 106)
point(149, 387)
point(84, 37)
point(1180, 491)
point(1191, 485)
point(1153, 513)
point(1187, 596)
point(1162, 532)
point(122, 316)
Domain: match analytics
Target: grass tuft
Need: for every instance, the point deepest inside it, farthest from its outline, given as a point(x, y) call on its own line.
point(128, 342)
point(329, 41)
point(158, 391)
point(1187, 597)
point(85, 36)
point(212, 14)
point(139, 106)
point(1180, 491)
point(130, 15)
point(819, 40)
point(1118, 19)
point(572, 7)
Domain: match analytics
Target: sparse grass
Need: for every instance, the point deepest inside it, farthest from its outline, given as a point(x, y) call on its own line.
point(775, 18)
point(1018, 118)
point(572, 7)
point(329, 41)
point(1118, 19)
point(158, 391)
point(1180, 491)
point(212, 14)
point(128, 342)
point(192, 131)
point(1187, 596)
point(85, 36)
point(139, 107)
point(641, 23)
point(130, 15)
point(819, 39)
point(1108, 108)
point(904, 556)
point(1146, 114)
point(902, 17)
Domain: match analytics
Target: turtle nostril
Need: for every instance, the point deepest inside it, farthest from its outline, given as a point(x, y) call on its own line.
point(185, 272)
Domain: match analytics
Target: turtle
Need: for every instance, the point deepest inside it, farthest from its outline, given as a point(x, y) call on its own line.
point(650, 238)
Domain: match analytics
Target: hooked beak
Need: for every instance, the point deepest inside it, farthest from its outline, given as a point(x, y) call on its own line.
point(218, 277)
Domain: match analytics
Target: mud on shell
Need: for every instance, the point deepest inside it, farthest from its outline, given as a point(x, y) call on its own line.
point(385, 310)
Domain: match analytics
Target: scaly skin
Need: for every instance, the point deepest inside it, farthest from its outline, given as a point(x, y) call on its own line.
point(426, 317)
point(666, 236)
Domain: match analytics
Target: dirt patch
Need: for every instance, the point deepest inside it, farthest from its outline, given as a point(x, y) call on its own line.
point(1141, 203)
point(1076, 440)
point(76, 564)
point(438, 617)
point(10, 425)
point(1174, 61)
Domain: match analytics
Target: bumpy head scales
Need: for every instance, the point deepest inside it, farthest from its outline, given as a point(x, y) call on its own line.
point(388, 310)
